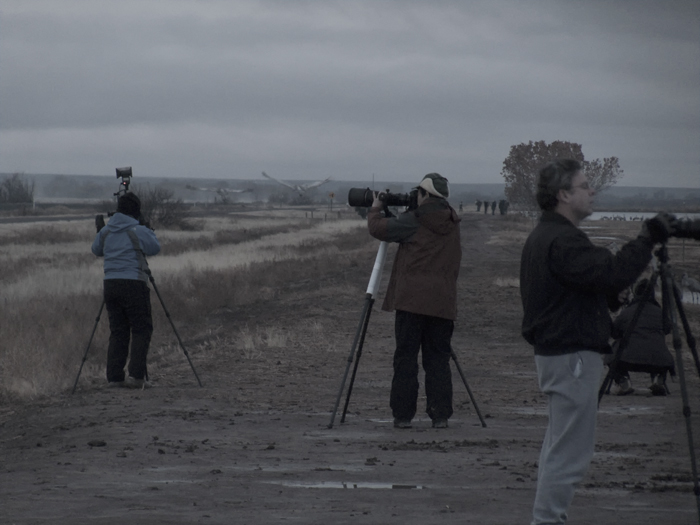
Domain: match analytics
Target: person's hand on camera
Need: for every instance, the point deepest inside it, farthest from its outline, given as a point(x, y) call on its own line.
point(377, 202)
point(99, 222)
point(659, 228)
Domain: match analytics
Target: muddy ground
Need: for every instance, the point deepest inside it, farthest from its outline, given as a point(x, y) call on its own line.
point(253, 446)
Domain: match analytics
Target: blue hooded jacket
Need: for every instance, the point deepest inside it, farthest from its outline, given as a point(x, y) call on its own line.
point(113, 242)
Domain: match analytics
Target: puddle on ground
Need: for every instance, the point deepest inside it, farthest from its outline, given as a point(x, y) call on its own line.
point(347, 485)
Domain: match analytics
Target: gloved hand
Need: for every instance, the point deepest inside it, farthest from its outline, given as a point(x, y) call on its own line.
point(659, 228)
point(99, 222)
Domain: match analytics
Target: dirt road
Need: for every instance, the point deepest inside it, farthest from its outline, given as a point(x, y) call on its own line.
point(253, 446)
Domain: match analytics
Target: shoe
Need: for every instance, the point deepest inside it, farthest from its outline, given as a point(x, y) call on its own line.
point(657, 390)
point(624, 388)
point(658, 386)
point(115, 384)
point(402, 423)
point(439, 423)
point(132, 382)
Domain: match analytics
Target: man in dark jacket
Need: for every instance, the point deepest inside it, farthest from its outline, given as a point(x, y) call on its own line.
point(567, 286)
point(423, 291)
point(123, 243)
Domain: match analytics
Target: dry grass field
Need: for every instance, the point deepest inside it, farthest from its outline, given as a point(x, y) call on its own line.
point(52, 285)
point(267, 303)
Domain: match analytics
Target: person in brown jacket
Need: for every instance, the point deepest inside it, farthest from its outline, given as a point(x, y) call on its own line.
point(423, 291)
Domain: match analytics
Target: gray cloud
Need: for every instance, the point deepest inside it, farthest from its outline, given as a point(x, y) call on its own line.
point(307, 89)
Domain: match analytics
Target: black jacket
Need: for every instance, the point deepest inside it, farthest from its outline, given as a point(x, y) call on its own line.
point(568, 285)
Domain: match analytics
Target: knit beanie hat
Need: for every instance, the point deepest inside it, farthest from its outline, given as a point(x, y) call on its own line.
point(436, 185)
point(129, 204)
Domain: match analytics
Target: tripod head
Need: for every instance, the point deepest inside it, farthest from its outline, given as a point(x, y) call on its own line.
point(125, 174)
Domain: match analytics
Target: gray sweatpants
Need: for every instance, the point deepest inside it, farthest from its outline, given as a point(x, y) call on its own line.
point(571, 383)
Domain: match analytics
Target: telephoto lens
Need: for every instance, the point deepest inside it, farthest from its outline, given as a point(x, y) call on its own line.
point(360, 197)
point(364, 197)
point(686, 229)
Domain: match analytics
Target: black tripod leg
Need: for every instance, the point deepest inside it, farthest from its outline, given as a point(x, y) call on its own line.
point(668, 288)
point(351, 356)
point(469, 390)
point(94, 328)
point(177, 335)
point(357, 361)
point(686, 327)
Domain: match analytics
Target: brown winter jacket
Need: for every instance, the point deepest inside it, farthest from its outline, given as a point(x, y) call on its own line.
point(424, 275)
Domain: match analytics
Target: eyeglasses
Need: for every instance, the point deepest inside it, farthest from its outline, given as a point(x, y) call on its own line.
point(584, 186)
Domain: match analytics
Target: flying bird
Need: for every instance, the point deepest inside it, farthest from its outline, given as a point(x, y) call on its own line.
point(299, 188)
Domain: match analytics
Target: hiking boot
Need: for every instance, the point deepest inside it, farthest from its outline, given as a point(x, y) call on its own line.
point(439, 423)
point(658, 387)
point(132, 382)
point(624, 388)
point(402, 423)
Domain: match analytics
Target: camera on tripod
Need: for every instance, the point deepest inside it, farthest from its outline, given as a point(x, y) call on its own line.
point(364, 197)
point(125, 175)
point(686, 229)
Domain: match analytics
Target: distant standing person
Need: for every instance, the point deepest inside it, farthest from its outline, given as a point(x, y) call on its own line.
point(493, 207)
point(646, 351)
point(123, 243)
point(567, 285)
point(423, 291)
point(478, 205)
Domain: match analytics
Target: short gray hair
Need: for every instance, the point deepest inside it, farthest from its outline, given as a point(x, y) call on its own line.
point(555, 176)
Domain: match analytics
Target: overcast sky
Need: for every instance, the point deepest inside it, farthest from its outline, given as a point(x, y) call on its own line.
point(347, 89)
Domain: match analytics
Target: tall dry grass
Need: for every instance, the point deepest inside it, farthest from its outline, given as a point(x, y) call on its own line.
point(51, 289)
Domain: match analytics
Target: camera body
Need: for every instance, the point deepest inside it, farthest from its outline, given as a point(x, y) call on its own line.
point(364, 197)
point(125, 174)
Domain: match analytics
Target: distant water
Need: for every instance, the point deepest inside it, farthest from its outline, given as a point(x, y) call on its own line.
point(633, 215)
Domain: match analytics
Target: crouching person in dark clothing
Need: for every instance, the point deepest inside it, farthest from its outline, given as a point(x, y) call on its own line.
point(124, 242)
point(423, 291)
point(646, 350)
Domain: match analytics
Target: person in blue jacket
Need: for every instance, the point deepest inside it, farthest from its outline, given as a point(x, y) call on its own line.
point(124, 243)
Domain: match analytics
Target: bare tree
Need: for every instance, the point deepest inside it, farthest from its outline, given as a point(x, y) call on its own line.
point(603, 174)
point(523, 163)
point(159, 207)
point(14, 189)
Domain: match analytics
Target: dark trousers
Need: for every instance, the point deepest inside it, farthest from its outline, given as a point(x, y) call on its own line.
point(129, 308)
point(432, 335)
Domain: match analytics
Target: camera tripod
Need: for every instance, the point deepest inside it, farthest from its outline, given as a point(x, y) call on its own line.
point(672, 307)
point(359, 340)
point(165, 310)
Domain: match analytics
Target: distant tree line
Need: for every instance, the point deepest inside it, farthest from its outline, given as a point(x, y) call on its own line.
point(14, 189)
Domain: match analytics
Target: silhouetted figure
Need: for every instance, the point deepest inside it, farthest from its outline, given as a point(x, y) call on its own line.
point(478, 205)
point(646, 350)
point(461, 208)
point(493, 208)
point(486, 207)
point(503, 206)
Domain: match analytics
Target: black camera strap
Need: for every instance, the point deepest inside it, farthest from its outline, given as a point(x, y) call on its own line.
point(143, 263)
